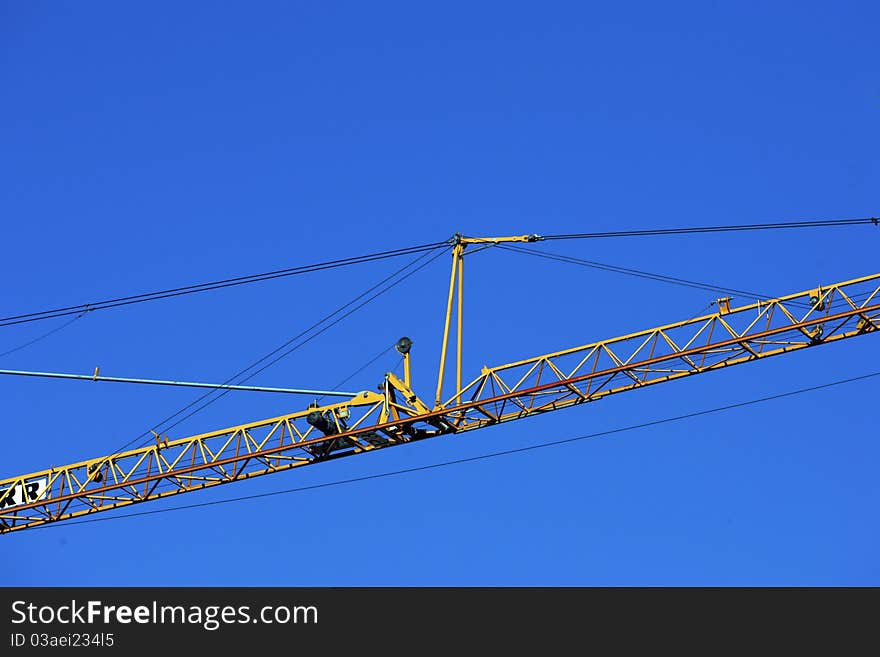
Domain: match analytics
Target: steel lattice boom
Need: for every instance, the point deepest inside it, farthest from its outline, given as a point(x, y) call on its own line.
point(396, 415)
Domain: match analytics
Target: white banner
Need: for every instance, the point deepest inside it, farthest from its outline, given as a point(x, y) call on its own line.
point(29, 491)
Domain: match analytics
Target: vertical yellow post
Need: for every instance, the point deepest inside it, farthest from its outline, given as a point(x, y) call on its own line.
point(403, 346)
point(456, 252)
point(407, 372)
point(460, 319)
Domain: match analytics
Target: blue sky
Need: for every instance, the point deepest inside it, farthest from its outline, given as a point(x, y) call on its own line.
point(153, 145)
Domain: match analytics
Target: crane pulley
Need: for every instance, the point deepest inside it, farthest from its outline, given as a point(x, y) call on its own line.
point(395, 414)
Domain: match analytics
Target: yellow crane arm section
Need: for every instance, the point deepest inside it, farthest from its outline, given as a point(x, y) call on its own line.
point(395, 415)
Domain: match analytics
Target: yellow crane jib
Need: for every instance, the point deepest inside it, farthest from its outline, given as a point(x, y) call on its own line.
point(395, 414)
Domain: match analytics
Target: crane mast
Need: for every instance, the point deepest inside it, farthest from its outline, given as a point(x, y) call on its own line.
point(394, 414)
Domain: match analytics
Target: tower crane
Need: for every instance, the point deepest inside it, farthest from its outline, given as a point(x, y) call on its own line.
point(395, 414)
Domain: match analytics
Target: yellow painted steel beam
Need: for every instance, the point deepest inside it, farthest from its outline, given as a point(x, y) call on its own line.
point(457, 251)
point(462, 239)
point(456, 292)
point(459, 321)
point(396, 415)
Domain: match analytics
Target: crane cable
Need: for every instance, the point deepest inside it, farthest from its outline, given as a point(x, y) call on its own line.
point(822, 223)
point(663, 278)
point(362, 368)
point(473, 459)
point(254, 278)
point(343, 312)
point(42, 336)
point(81, 309)
point(214, 285)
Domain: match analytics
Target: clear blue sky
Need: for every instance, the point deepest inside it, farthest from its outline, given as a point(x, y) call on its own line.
point(149, 145)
